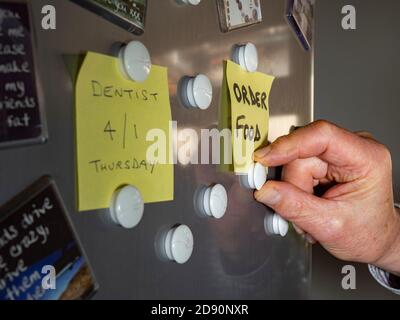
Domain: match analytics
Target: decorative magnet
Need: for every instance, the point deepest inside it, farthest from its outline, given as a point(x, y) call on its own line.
point(234, 14)
point(135, 61)
point(256, 177)
point(196, 92)
point(212, 201)
point(300, 15)
point(127, 207)
point(246, 56)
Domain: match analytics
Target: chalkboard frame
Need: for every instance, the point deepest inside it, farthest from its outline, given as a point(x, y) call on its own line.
point(44, 136)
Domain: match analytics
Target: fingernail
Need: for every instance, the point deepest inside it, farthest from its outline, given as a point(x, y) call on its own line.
point(259, 154)
point(268, 196)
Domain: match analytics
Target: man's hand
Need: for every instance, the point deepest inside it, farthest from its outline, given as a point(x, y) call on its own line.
point(355, 218)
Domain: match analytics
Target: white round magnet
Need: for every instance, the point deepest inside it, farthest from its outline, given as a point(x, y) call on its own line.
point(202, 91)
point(135, 61)
point(218, 199)
point(246, 56)
point(179, 244)
point(276, 225)
point(212, 201)
point(255, 178)
point(127, 207)
point(260, 174)
point(190, 2)
point(196, 92)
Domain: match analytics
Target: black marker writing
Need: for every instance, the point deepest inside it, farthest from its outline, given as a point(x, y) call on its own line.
point(133, 164)
point(110, 91)
point(246, 95)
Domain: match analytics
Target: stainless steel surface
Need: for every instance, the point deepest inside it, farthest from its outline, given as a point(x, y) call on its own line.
point(357, 87)
point(233, 258)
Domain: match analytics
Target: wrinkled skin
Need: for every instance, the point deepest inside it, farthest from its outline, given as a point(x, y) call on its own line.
point(355, 218)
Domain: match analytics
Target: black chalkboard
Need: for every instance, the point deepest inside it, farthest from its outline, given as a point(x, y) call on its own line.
point(21, 119)
point(35, 232)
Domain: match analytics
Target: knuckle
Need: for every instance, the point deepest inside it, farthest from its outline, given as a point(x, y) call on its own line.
point(295, 209)
point(365, 134)
point(281, 140)
point(386, 154)
point(382, 155)
point(323, 125)
point(298, 208)
point(334, 228)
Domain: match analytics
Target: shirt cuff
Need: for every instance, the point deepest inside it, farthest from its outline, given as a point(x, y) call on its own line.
point(384, 279)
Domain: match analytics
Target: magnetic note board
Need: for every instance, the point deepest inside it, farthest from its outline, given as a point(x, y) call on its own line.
point(35, 232)
point(21, 116)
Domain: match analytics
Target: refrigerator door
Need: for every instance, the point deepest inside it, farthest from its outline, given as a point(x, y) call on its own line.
point(233, 258)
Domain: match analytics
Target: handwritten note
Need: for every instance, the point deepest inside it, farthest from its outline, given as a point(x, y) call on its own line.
point(245, 110)
point(113, 118)
point(35, 233)
point(20, 116)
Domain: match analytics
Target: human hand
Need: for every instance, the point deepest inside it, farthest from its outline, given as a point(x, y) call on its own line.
point(355, 218)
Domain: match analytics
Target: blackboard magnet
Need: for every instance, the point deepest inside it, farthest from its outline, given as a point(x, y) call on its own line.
point(22, 118)
point(127, 14)
point(38, 246)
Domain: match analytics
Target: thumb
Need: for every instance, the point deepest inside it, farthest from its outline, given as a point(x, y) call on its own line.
point(314, 215)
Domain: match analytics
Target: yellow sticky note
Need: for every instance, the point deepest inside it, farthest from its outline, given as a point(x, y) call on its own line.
point(113, 119)
point(225, 120)
point(248, 95)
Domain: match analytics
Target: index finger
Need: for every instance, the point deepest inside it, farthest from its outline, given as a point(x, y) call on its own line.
point(321, 139)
